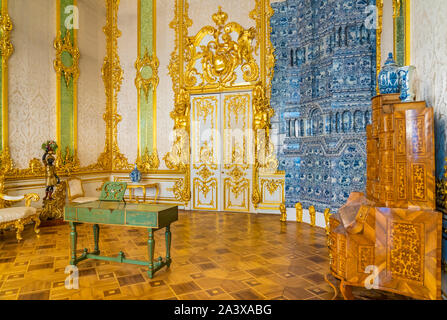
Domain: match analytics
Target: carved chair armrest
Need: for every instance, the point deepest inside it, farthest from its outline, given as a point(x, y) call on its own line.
point(11, 199)
point(27, 197)
point(31, 197)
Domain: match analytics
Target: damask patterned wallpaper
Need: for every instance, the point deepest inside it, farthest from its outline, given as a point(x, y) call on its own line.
point(165, 95)
point(323, 84)
point(128, 95)
point(32, 79)
point(91, 96)
point(429, 56)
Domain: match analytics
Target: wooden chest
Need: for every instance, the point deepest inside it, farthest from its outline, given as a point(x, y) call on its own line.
point(400, 154)
point(392, 236)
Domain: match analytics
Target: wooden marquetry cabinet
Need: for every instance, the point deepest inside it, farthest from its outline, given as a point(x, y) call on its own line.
point(390, 239)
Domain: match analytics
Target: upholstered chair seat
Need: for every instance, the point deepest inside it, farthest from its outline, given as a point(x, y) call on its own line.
point(16, 213)
point(17, 217)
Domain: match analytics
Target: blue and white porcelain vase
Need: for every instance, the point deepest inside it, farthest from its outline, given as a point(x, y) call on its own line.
point(406, 83)
point(389, 76)
point(135, 175)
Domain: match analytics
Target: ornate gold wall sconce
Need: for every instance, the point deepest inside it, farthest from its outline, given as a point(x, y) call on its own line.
point(299, 212)
point(312, 214)
point(147, 73)
point(67, 58)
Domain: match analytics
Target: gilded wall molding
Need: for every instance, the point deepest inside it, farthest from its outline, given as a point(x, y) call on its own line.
point(65, 45)
point(112, 75)
point(66, 66)
point(6, 50)
point(147, 82)
point(6, 27)
point(148, 162)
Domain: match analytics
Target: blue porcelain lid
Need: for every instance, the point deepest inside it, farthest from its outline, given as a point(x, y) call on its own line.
point(390, 61)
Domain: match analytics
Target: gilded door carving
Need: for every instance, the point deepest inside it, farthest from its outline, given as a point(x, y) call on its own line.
point(237, 151)
point(222, 151)
point(205, 152)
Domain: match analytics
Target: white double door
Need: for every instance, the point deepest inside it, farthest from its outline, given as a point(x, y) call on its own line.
point(221, 151)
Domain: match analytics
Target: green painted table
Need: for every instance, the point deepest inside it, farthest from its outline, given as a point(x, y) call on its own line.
point(150, 216)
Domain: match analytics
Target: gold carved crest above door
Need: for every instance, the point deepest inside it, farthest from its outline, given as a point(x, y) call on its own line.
point(221, 56)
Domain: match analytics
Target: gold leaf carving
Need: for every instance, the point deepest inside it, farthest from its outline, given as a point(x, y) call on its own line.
point(6, 26)
point(148, 161)
point(141, 82)
point(221, 56)
point(65, 45)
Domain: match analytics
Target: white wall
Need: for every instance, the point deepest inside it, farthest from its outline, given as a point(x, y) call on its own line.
point(165, 94)
point(91, 96)
point(128, 95)
point(429, 56)
point(388, 30)
point(32, 79)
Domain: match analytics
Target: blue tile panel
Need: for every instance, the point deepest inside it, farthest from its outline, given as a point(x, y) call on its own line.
point(325, 77)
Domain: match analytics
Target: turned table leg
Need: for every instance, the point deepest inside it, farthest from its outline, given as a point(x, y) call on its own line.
point(96, 238)
point(73, 241)
point(168, 237)
point(151, 250)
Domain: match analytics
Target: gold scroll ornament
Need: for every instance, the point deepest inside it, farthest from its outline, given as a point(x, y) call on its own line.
point(221, 56)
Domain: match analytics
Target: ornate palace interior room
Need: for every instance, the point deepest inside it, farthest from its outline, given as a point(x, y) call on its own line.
point(223, 150)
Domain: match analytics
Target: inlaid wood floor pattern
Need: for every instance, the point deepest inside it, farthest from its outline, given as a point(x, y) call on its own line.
point(215, 256)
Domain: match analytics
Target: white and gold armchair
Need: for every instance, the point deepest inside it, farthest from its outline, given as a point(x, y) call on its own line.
point(76, 191)
point(19, 216)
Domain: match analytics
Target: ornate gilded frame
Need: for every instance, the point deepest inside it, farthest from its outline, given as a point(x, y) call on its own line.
point(6, 50)
point(65, 45)
point(147, 84)
point(179, 156)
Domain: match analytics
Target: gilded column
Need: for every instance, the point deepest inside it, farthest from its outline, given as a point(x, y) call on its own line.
point(66, 65)
point(6, 50)
point(112, 75)
point(146, 82)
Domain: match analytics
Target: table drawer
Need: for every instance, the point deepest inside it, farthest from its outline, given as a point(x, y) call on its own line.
point(101, 216)
point(142, 219)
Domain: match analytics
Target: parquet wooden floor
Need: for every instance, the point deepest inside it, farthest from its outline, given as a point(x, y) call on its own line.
point(215, 256)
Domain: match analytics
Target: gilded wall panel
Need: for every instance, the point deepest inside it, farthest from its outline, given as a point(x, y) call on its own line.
point(32, 81)
point(91, 97)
